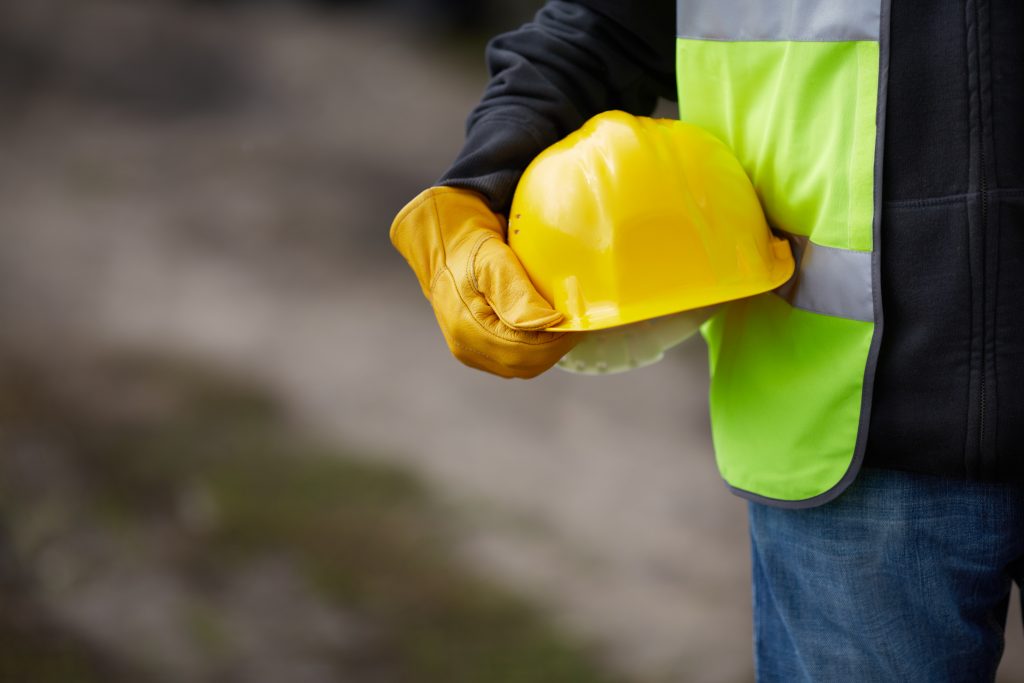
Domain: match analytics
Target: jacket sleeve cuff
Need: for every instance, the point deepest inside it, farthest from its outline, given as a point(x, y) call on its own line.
point(496, 151)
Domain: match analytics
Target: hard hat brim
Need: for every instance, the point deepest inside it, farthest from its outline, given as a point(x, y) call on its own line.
point(625, 315)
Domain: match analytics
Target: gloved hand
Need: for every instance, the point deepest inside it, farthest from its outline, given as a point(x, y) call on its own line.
point(490, 313)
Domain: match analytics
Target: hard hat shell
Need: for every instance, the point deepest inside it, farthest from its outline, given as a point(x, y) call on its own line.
point(630, 218)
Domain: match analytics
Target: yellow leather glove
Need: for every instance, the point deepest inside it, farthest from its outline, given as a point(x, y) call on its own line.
point(490, 313)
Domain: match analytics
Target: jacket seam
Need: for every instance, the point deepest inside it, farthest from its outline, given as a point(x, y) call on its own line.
point(951, 198)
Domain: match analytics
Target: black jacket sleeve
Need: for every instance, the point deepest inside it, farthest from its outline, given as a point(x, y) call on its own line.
point(574, 60)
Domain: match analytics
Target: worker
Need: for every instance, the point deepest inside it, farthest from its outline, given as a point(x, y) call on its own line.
point(871, 409)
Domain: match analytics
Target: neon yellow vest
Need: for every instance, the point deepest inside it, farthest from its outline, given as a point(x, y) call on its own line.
point(797, 89)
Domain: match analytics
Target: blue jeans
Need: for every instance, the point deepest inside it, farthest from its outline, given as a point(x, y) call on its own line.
point(902, 578)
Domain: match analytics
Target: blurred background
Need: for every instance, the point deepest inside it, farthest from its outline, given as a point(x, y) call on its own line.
point(233, 446)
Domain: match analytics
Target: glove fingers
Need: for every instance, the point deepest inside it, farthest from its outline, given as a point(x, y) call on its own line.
point(499, 276)
point(478, 338)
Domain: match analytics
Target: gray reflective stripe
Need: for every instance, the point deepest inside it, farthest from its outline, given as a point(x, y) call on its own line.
point(798, 20)
point(830, 281)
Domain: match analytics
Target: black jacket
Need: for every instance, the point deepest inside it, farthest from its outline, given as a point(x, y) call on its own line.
point(949, 389)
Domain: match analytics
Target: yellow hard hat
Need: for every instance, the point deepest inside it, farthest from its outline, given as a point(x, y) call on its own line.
point(630, 218)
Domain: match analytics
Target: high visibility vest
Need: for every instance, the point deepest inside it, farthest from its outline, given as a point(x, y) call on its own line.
point(797, 89)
